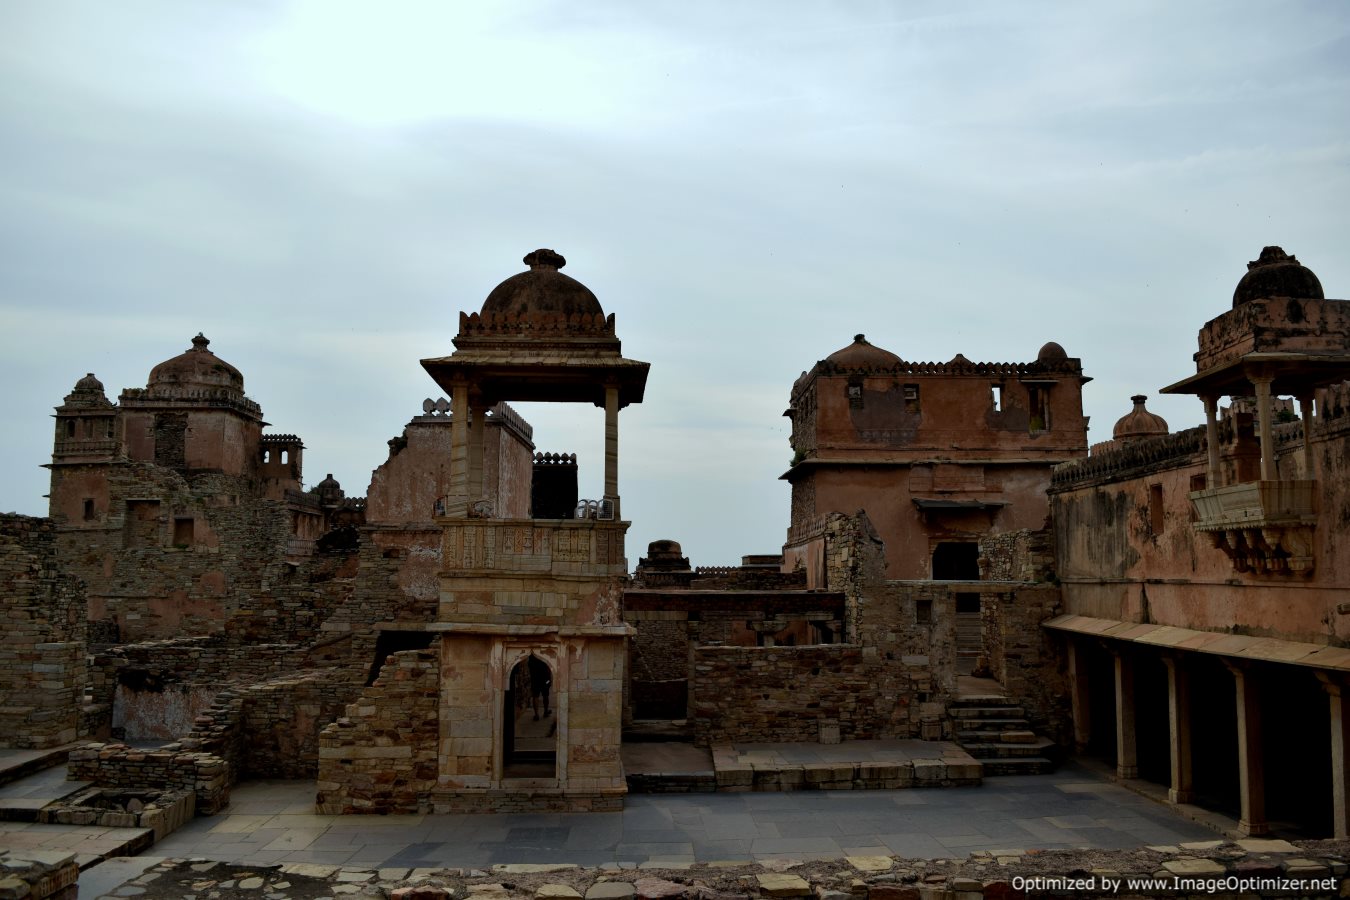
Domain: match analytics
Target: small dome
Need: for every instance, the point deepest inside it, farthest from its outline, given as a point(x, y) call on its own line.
point(197, 367)
point(328, 483)
point(1277, 274)
point(664, 548)
point(1139, 423)
point(1051, 353)
point(861, 354)
point(543, 289)
point(89, 384)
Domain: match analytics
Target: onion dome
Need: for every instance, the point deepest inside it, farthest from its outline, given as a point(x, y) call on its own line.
point(197, 368)
point(862, 355)
point(1051, 353)
point(1139, 423)
point(543, 289)
point(1277, 274)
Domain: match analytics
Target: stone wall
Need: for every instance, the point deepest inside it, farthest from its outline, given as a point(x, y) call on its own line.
point(232, 567)
point(1017, 556)
point(829, 692)
point(381, 757)
point(1024, 657)
point(42, 648)
point(120, 766)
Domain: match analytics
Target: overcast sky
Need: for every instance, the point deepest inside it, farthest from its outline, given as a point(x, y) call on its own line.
point(322, 186)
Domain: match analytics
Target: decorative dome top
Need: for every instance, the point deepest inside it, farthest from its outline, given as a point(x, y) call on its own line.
point(1051, 353)
point(197, 367)
point(327, 483)
point(861, 354)
point(1139, 423)
point(543, 289)
point(88, 392)
point(1277, 274)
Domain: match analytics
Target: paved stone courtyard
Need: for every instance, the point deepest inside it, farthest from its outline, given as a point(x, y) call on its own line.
point(272, 822)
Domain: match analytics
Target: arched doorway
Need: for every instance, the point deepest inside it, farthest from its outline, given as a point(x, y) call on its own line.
point(530, 722)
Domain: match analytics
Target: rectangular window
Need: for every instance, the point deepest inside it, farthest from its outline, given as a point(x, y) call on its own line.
point(89, 514)
point(923, 612)
point(183, 528)
point(1155, 508)
point(998, 398)
point(911, 398)
point(142, 527)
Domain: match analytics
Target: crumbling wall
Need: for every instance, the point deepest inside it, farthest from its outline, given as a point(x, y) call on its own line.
point(381, 757)
point(1017, 556)
point(42, 647)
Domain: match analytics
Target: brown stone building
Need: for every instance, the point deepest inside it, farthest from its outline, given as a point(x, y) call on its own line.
point(937, 454)
point(466, 635)
point(1205, 573)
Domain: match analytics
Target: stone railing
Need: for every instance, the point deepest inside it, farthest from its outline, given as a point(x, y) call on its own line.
point(1129, 460)
point(957, 367)
point(1255, 504)
point(219, 397)
point(546, 323)
point(75, 446)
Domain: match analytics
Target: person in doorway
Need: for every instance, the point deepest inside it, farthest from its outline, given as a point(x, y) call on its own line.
point(541, 679)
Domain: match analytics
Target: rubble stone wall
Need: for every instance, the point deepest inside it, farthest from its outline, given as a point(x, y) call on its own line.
point(381, 757)
point(117, 765)
point(802, 693)
point(43, 644)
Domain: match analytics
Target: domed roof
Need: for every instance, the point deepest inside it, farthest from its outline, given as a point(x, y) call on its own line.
point(198, 367)
point(861, 354)
point(1139, 422)
point(543, 289)
point(329, 482)
point(1051, 352)
point(1277, 274)
point(89, 384)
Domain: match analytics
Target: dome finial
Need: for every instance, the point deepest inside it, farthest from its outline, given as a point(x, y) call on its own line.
point(200, 342)
point(545, 259)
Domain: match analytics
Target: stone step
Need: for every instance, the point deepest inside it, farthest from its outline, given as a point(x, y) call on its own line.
point(985, 712)
point(990, 724)
point(986, 750)
point(1020, 765)
point(1011, 736)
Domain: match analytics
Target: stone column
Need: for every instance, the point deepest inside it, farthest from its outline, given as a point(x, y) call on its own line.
point(1179, 730)
point(1251, 762)
point(1127, 762)
point(612, 446)
point(457, 502)
point(1263, 418)
point(1079, 696)
point(1340, 756)
point(1211, 441)
point(1305, 414)
point(477, 431)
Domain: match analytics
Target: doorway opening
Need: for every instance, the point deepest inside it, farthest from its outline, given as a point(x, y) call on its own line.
point(530, 722)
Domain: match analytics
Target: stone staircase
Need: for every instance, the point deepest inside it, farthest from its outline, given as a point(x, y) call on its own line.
point(994, 730)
